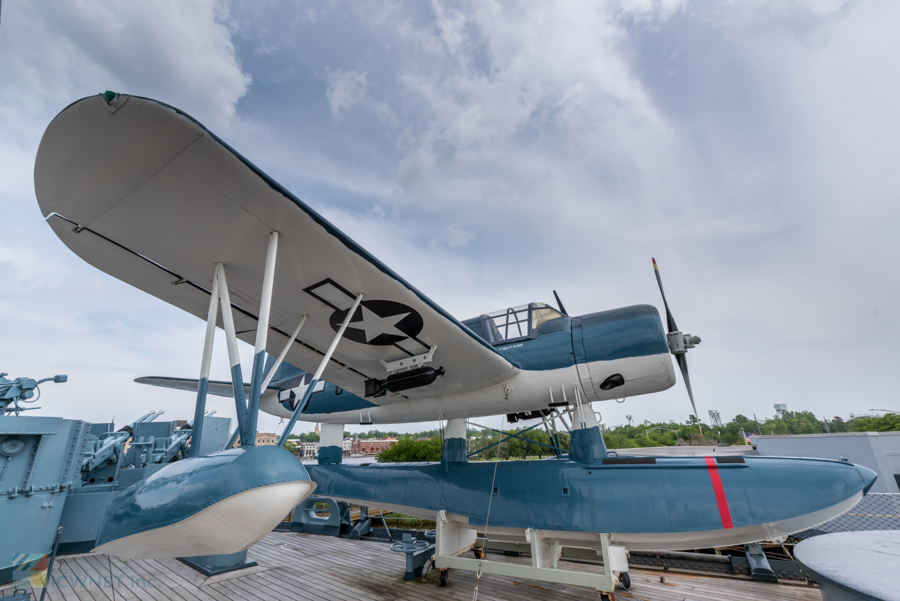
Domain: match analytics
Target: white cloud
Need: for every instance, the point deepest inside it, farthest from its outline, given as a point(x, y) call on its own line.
point(176, 51)
point(492, 152)
point(454, 236)
point(60, 315)
point(346, 89)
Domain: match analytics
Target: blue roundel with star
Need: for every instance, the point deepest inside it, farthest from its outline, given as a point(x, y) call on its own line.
point(379, 322)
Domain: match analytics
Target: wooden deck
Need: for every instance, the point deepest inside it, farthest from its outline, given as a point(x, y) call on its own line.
point(311, 568)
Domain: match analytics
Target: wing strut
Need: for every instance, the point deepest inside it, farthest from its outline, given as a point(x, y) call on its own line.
point(301, 406)
point(203, 384)
point(234, 357)
point(282, 355)
point(262, 330)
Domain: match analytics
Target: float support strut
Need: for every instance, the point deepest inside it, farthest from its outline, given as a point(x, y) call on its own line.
point(203, 384)
point(234, 357)
point(262, 331)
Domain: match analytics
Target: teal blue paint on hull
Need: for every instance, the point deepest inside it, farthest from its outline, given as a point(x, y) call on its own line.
point(671, 496)
point(330, 455)
point(186, 487)
point(454, 450)
point(256, 379)
point(199, 410)
point(587, 445)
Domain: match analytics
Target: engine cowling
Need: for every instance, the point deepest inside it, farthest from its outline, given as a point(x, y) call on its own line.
point(622, 353)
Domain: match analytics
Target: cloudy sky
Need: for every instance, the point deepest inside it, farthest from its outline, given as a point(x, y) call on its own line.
point(491, 152)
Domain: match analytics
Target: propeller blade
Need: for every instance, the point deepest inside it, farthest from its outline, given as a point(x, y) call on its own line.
point(559, 304)
point(682, 363)
point(680, 358)
point(670, 321)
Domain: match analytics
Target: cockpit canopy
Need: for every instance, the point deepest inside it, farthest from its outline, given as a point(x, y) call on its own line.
point(515, 323)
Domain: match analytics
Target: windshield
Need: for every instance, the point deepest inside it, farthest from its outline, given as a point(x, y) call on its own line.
point(517, 323)
point(541, 313)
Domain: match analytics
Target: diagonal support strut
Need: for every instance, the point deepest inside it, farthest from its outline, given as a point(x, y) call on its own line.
point(301, 406)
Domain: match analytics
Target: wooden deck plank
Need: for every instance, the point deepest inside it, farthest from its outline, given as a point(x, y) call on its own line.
point(302, 567)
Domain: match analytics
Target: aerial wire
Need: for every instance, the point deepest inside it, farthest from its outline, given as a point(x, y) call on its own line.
point(487, 519)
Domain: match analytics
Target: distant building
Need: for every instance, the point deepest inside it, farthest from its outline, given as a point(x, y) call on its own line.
point(878, 451)
point(372, 446)
point(307, 450)
point(347, 446)
point(263, 439)
point(266, 439)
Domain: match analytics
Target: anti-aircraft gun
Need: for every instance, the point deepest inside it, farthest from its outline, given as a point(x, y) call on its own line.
point(21, 390)
point(62, 473)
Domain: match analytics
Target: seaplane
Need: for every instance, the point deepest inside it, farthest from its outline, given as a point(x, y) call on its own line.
point(145, 193)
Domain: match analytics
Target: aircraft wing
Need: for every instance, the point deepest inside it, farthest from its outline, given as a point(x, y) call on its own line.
point(145, 193)
point(214, 387)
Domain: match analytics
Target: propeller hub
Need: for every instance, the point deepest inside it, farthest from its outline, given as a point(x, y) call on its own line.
point(679, 342)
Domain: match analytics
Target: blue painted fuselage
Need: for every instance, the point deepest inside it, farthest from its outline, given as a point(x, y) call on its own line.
point(606, 338)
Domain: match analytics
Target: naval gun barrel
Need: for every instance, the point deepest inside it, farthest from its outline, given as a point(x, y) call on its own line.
point(178, 443)
point(110, 443)
point(147, 417)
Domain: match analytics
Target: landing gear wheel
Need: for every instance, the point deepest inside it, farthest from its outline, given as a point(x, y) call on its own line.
point(443, 580)
point(625, 580)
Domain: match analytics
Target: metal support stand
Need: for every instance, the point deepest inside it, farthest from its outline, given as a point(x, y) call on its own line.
point(213, 565)
point(418, 552)
point(455, 537)
point(336, 523)
point(363, 526)
point(760, 569)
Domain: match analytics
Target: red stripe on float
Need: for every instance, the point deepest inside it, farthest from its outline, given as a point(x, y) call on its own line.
point(721, 501)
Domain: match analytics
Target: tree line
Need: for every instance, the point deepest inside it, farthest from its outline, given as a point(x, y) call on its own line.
point(537, 443)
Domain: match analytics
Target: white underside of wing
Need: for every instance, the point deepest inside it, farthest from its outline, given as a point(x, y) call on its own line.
point(161, 200)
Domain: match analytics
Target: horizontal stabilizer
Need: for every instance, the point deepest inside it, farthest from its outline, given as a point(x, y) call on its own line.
point(217, 387)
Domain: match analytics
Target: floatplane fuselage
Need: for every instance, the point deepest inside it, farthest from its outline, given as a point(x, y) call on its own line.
point(601, 356)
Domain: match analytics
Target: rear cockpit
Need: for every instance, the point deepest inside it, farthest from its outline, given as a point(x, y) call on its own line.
point(513, 324)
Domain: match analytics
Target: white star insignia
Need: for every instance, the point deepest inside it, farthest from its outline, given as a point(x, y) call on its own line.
point(374, 326)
